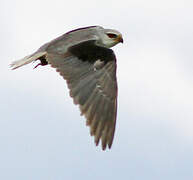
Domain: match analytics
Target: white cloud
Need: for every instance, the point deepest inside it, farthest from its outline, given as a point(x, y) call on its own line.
point(40, 126)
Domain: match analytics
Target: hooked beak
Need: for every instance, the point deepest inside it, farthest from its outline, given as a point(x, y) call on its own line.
point(120, 39)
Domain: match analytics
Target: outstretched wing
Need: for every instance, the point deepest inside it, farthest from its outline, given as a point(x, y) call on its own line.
point(90, 72)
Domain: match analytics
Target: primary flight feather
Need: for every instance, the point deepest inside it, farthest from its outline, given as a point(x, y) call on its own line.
point(84, 58)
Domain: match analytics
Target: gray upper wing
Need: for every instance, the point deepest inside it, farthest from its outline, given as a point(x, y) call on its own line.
point(61, 44)
point(90, 73)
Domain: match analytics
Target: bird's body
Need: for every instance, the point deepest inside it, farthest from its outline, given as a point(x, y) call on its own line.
point(83, 58)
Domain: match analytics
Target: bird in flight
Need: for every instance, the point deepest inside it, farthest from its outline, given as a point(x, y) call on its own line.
point(84, 58)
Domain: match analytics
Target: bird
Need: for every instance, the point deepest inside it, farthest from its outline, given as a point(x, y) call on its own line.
point(84, 58)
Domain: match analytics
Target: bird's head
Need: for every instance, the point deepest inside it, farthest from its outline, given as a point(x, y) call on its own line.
point(111, 37)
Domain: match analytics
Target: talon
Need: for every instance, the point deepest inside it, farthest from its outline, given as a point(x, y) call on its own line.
point(43, 62)
point(37, 65)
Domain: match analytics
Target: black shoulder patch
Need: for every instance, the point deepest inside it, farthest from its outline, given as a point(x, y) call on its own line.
point(88, 51)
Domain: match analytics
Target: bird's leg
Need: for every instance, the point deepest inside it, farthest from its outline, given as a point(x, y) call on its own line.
point(43, 62)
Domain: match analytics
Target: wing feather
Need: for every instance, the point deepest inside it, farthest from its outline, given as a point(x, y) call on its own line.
point(93, 89)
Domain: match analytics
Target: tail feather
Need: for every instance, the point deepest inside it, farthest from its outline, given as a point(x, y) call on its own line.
point(27, 60)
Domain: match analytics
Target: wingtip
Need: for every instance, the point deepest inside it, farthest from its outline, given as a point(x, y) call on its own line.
point(104, 147)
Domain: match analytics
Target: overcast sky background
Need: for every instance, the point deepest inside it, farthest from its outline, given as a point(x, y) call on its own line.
point(42, 135)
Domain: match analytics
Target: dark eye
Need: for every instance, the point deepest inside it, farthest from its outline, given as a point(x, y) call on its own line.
point(111, 35)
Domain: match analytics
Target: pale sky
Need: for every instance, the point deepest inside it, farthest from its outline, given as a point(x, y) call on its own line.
point(43, 136)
